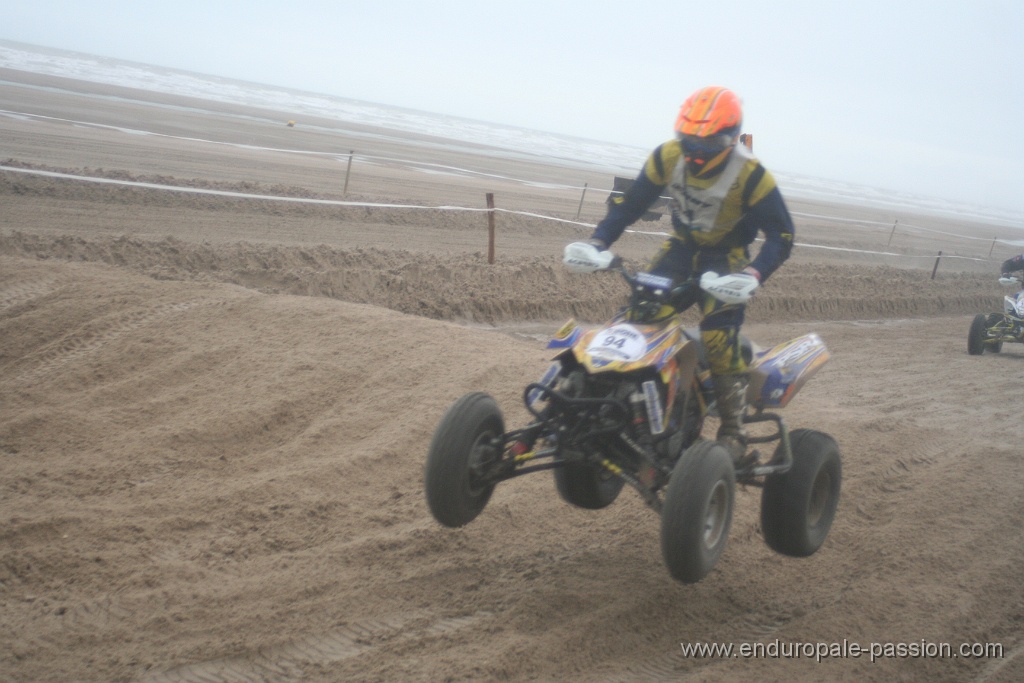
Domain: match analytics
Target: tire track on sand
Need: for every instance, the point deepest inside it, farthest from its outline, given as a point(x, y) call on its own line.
point(677, 666)
point(22, 292)
point(93, 336)
point(286, 662)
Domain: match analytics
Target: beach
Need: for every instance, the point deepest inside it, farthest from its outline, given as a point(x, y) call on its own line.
point(221, 368)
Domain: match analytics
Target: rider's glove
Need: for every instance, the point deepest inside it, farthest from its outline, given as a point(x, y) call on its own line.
point(731, 288)
point(1008, 280)
point(586, 257)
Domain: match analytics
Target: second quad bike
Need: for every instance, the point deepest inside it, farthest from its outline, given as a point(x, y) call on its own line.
point(624, 404)
point(989, 331)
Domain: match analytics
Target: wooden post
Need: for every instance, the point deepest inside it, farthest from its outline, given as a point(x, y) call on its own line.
point(992, 247)
point(490, 227)
point(936, 264)
point(581, 200)
point(347, 170)
point(893, 232)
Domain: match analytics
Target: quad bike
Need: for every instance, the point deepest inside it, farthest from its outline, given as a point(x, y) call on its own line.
point(625, 403)
point(988, 331)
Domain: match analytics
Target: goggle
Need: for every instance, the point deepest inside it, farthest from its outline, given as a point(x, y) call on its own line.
point(705, 147)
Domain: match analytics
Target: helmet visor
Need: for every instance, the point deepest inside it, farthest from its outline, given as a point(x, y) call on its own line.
point(705, 147)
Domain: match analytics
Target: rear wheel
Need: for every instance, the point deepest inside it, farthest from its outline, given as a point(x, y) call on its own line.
point(976, 335)
point(583, 484)
point(587, 486)
point(465, 441)
point(798, 506)
point(697, 512)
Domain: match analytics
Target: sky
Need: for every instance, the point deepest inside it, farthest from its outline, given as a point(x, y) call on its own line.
point(918, 96)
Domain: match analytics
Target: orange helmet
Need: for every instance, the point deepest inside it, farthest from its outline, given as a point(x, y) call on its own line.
point(710, 111)
point(708, 127)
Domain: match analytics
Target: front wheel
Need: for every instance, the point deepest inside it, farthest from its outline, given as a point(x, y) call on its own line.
point(467, 438)
point(697, 512)
point(798, 506)
point(976, 335)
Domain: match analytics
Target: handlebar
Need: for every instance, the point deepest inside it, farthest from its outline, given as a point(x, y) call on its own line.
point(731, 288)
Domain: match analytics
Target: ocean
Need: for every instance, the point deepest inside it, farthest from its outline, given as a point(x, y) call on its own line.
point(503, 139)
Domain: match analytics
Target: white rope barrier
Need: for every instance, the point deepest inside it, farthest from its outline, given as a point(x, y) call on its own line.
point(339, 202)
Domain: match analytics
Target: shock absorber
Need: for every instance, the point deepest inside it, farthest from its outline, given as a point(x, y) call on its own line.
point(646, 472)
point(641, 429)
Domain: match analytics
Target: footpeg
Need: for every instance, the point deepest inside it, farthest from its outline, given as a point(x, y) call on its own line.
point(746, 460)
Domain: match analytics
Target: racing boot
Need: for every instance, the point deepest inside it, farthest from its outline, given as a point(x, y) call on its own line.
point(731, 398)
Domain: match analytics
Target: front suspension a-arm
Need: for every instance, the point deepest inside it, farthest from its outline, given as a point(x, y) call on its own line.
point(581, 418)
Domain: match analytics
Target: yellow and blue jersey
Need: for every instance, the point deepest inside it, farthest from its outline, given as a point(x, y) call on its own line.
point(714, 218)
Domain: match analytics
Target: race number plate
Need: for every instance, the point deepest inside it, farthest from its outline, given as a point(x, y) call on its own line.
point(618, 343)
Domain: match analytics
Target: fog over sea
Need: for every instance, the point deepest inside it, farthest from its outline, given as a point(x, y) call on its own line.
point(504, 140)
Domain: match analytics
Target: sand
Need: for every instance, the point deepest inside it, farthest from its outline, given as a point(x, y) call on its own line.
point(214, 414)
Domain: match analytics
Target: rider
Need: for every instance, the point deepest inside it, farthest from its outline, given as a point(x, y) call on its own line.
point(721, 196)
point(1012, 265)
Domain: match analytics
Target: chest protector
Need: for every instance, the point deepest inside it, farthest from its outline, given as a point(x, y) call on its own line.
point(709, 210)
